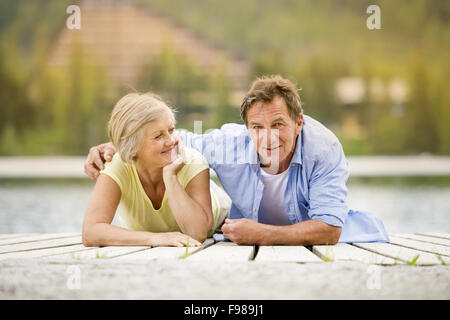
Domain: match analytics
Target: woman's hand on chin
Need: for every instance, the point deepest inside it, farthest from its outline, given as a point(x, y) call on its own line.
point(172, 239)
point(175, 166)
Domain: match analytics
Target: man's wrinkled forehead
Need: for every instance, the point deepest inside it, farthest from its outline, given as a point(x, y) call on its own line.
point(273, 110)
point(274, 119)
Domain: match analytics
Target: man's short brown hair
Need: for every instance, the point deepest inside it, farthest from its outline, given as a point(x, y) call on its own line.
point(266, 88)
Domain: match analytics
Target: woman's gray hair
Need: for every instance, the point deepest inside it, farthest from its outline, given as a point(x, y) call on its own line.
point(128, 118)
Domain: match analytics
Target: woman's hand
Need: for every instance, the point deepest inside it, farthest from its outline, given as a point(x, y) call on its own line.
point(173, 168)
point(172, 239)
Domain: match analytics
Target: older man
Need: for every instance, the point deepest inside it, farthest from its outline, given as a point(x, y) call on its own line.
point(284, 171)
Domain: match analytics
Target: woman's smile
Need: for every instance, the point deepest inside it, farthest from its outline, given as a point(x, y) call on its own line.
point(168, 151)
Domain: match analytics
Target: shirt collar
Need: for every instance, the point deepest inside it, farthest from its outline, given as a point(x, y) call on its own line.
point(253, 156)
point(297, 157)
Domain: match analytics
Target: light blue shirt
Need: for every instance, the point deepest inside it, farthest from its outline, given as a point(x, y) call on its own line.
point(316, 187)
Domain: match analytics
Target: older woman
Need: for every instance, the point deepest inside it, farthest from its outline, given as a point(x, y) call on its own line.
point(161, 191)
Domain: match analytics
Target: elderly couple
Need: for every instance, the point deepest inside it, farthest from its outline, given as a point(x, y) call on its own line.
point(284, 175)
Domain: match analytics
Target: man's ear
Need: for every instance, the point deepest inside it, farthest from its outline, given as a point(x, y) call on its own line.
point(299, 123)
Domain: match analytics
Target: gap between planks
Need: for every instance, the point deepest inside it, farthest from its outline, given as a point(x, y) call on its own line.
point(43, 253)
point(437, 249)
point(41, 244)
point(407, 255)
point(436, 234)
point(299, 254)
point(26, 238)
point(349, 252)
point(428, 239)
point(164, 253)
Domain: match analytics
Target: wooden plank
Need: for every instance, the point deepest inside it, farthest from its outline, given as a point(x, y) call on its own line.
point(99, 253)
point(39, 253)
point(348, 252)
point(422, 246)
point(40, 244)
point(435, 240)
point(402, 253)
point(38, 237)
point(164, 253)
point(285, 254)
point(435, 234)
point(224, 251)
point(15, 235)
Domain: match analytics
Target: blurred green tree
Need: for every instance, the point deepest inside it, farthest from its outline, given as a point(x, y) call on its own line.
point(16, 109)
point(420, 111)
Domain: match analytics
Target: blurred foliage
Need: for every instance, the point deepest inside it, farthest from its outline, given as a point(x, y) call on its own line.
point(187, 90)
point(313, 43)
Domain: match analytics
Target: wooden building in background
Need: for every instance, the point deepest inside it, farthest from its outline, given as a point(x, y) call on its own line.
point(123, 35)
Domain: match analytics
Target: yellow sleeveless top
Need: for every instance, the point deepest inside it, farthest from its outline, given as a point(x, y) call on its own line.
point(136, 210)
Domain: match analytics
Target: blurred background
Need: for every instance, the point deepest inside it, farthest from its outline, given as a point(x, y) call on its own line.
point(384, 93)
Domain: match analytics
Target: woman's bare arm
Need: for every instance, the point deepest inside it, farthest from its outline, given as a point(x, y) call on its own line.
point(98, 230)
point(191, 207)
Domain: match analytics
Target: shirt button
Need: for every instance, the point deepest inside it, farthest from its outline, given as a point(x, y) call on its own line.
point(293, 164)
point(254, 209)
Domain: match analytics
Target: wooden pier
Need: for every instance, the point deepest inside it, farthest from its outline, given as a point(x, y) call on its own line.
point(418, 257)
point(429, 248)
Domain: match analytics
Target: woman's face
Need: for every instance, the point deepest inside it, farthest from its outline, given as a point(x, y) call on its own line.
point(160, 143)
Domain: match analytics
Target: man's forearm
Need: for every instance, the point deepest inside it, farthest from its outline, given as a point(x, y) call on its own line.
point(311, 232)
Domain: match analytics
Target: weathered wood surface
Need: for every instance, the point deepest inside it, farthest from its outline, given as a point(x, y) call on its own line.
point(41, 244)
point(347, 252)
point(407, 255)
point(42, 253)
point(36, 237)
point(436, 235)
point(419, 249)
point(165, 252)
point(224, 251)
point(99, 253)
point(286, 254)
point(428, 239)
point(424, 246)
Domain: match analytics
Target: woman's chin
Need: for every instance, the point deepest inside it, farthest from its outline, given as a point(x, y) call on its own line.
point(167, 159)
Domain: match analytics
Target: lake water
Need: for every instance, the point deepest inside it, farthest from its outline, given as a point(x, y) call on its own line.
point(51, 206)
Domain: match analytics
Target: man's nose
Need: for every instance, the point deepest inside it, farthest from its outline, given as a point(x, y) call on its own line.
point(270, 136)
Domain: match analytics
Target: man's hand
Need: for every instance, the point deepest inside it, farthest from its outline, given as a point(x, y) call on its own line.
point(244, 231)
point(305, 233)
point(96, 157)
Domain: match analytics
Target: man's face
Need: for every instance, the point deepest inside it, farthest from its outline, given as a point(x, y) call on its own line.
point(273, 132)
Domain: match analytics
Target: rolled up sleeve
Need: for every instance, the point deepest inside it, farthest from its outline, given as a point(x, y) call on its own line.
point(327, 189)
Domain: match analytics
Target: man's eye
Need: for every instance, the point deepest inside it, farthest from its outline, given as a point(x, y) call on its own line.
point(278, 124)
point(257, 127)
point(171, 130)
point(158, 136)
